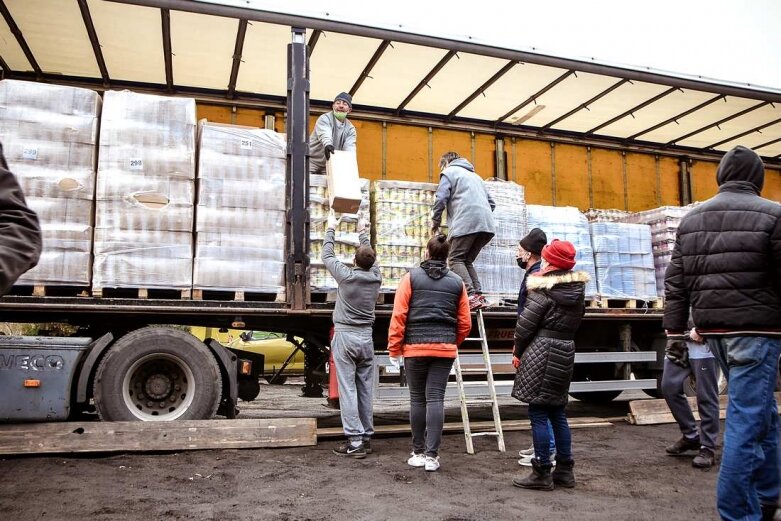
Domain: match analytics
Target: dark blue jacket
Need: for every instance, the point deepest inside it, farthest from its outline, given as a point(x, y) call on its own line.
point(523, 291)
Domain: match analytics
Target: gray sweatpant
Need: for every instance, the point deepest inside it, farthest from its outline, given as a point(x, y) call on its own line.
point(353, 350)
point(706, 375)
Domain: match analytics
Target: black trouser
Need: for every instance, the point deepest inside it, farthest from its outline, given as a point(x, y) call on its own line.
point(427, 379)
point(463, 252)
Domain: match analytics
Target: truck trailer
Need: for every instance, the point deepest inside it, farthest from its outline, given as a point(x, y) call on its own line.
point(572, 132)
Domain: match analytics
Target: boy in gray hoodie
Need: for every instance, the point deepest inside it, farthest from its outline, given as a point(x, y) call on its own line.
point(352, 344)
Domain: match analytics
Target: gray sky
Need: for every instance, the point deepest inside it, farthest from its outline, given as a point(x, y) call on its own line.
point(736, 41)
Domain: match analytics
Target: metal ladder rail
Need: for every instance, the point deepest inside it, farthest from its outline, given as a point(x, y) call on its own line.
point(468, 435)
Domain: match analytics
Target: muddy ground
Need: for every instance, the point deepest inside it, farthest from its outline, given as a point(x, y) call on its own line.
point(622, 471)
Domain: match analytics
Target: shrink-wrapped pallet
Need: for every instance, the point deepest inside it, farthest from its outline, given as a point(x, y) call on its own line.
point(346, 237)
point(240, 216)
point(568, 224)
point(49, 137)
point(606, 215)
point(145, 192)
point(496, 266)
point(664, 223)
point(401, 217)
point(624, 260)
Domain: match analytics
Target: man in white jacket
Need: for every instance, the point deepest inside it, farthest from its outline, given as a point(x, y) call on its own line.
point(332, 132)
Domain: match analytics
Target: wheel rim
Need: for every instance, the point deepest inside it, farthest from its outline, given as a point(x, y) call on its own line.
point(158, 387)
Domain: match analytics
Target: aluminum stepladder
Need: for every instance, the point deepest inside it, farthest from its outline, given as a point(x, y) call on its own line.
point(492, 400)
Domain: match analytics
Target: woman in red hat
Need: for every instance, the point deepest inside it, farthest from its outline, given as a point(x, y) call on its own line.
point(544, 356)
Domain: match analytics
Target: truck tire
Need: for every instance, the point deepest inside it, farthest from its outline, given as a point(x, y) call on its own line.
point(157, 374)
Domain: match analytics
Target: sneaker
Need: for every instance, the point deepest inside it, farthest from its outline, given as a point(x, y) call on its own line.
point(527, 453)
point(683, 445)
point(526, 461)
point(704, 460)
point(416, 460)
point(367, 445)
point(476, 302)
point(432, 464)
point(350, 450)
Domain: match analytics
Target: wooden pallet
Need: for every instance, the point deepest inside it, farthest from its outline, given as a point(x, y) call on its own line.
point(477, 426)
point(50, 290)
point(237, 296)
point(629, 303)
point(143, 293)
point(61, 437)
point(653, 412)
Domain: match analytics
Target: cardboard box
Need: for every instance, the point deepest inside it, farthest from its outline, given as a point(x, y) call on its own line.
point(344, 187)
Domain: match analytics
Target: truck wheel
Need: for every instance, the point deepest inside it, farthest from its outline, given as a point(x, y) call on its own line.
point(249, 389)
point(157, 373)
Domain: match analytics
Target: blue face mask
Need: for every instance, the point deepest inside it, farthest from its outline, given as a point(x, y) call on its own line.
point(341, 116)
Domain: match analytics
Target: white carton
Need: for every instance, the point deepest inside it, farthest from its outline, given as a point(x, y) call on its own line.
point(344, 186)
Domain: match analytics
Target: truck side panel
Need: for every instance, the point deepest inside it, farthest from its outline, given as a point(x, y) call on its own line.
point(571, 176)
point(642, 184)
point(533, 159)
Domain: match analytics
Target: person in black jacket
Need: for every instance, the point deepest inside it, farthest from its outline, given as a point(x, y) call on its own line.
point(544, 356)
point(726, 264)
point(20, 232)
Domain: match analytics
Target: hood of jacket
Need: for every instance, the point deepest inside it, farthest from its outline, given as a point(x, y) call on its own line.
point(741, 167)
point(435, 269)
point(566, 288)
point(463, 163)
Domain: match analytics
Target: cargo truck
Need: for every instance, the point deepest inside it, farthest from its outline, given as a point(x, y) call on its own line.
point(130, 364)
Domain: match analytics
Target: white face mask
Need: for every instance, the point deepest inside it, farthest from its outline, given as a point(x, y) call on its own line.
point(544, 264)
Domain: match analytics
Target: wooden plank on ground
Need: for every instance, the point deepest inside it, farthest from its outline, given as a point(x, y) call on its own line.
point(654, 412)
point(476, 426)
point(39, 438)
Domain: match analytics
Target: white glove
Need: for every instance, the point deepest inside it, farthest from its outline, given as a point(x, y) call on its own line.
point(332, 222)
point(397, 361)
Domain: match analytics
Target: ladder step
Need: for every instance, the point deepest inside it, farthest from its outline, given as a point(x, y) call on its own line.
point(474, 370)
point(485, 434)
point(473, 339)
point(479, 402)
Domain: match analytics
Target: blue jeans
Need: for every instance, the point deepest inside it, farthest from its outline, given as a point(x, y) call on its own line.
point(750, 464)
point(542, 418)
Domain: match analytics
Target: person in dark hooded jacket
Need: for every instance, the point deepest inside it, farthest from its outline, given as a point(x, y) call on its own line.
point(430, 319)
point(20, 232)
point(726, 264)
point(544, 356)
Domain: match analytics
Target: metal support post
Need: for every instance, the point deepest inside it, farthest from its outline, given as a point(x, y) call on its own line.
point(297, 179)
point(625, 338)
point(685, 179)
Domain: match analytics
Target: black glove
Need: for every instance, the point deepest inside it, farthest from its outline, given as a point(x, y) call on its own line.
point(676, 351)
point(329, 149)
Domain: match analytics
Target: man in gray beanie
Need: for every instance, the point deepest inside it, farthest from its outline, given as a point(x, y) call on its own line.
point(332, 132)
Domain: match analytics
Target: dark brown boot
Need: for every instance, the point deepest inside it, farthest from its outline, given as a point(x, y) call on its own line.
point(563, 475)
point(539, 479)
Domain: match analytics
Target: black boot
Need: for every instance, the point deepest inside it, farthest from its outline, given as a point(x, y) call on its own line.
point(539, 479)
point(563, 475)
point(769, 512)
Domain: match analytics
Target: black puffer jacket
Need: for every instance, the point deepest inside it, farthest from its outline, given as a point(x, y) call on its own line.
point(544, 337)
point(727, 258)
